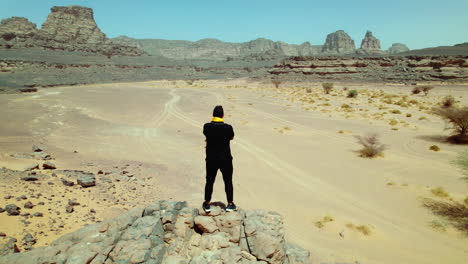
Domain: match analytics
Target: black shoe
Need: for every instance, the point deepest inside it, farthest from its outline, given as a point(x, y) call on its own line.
point(206, 206)
point(231, 207)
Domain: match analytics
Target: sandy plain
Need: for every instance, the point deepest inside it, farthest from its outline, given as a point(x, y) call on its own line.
point(294, 153)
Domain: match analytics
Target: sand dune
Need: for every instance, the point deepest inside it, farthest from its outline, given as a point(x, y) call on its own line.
point(289, 156)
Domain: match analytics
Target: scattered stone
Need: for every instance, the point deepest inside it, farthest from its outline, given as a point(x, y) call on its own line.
point(67, 182)
point(30, 177)
point(31, 167)
point(2, 234)
point(2, 210)
point(12, 209)
point(100, 172)
point(48, 166)
point(87, 180)
point(28, 241)
point(29, 205)
point(23, 197)
point(9, 248)
point(69, 209)
point(41, 203)
point(38, 214)
point(73, 202)
point(8, 197)
point(36, 148)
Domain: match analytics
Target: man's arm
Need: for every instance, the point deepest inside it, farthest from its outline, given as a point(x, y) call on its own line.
point(232, 133)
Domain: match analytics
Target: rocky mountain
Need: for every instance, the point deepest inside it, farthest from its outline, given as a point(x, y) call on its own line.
point(339, 42)
point(169, 232)
point(213, 49)
point(70, 28)
point(397, 48)
point(370, 45)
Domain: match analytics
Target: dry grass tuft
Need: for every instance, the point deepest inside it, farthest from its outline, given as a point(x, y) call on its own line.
point(440, 192)
point(448, 101)
point(352, 94)
point(426, 88)
point(434, 148)
point(276, 83)
point(326, 219)
point(371, 146)
point(456, 213)
point(395, 112)
point(327, 87)
point(363, 229)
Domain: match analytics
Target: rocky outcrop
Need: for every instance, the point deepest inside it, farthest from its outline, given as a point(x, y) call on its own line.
point(370, 45)
point(397, 48)
point(338, 42)
point(390, 69)
point(170, 232)
point(70, 28)
point(17, 32)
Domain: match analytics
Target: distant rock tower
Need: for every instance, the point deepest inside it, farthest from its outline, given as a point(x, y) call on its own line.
point(370, 45)
point(339, 42)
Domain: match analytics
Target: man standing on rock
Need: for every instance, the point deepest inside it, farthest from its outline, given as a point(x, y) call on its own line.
point(218, 156)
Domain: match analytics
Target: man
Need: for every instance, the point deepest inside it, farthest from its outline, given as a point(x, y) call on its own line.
point(218, 156)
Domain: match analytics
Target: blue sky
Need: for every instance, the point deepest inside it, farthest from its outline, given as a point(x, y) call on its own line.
point(417, 23)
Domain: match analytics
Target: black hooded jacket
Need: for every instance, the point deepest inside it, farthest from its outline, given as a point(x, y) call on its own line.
point(218, 136)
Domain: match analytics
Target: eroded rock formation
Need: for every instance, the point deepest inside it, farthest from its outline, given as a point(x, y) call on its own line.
point(170, 232)
point(339, 42)
point(370, 45)
point(70, 28)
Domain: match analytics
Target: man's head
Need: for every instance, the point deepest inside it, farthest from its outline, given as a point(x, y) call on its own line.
point(218, 111)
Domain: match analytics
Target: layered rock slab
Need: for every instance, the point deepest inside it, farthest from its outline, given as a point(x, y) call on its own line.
point(172, 232)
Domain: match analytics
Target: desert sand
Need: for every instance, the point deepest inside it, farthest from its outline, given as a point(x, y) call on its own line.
point(294, 153)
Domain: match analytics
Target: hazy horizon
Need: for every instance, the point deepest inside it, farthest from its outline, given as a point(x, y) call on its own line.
point(296, 22)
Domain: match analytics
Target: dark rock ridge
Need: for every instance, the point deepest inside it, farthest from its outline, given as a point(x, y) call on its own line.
point(339, 42)
point(391, 69)
point(70, 28)
point(170, 232)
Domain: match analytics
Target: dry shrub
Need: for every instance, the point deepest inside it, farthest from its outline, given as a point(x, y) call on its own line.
point(277, 83)
point(326, 219)
point(327, 87)
point(352, 94)
point(371, 146)
point(448, 101)
point(434, 148)
point(425, 89)
point(416, 90)
point(456, 213)
point(458, 119)
point(409, 115)
point(365, 230)
point(345, 106)
point(440, 192)
point(395, 112)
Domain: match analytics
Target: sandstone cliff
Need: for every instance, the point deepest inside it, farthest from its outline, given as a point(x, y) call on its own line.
point(170, 232)
point(389, 69)
point(70, 28)
point(338, 42)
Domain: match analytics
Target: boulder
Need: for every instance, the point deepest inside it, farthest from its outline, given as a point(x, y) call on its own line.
point(171, 232)
point(49, 166)
point(34, 166)
point(12, 209)
point(87, 180)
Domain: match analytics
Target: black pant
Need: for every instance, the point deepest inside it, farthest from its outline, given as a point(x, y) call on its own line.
point(212, 167)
